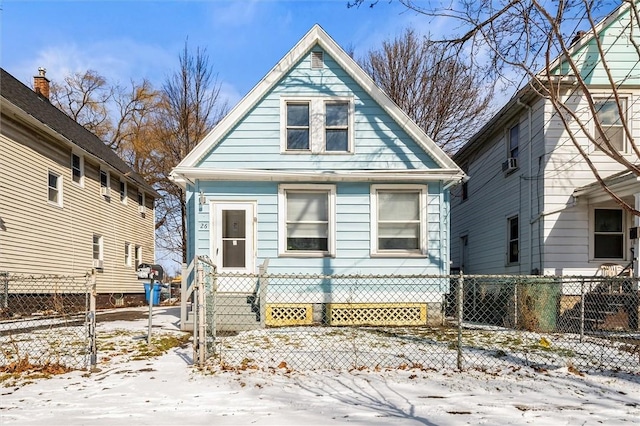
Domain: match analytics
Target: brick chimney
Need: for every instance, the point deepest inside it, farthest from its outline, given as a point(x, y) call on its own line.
point(41, 83)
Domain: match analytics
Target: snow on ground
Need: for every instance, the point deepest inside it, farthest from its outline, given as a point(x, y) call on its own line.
point(134, 386)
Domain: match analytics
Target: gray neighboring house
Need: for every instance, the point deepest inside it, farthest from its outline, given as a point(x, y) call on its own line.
point(68, 203)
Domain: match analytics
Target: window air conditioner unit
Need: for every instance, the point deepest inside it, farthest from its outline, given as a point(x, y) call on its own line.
point(98, 264)
point(510, 165)
point(106, 191)
point(142, 209)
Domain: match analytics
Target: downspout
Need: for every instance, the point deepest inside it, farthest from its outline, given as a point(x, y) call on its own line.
point(530, 178)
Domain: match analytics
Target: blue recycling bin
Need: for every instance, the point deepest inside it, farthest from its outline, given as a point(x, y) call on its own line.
point(156, 292)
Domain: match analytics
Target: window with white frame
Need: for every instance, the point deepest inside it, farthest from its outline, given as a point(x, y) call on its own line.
point(398, 219)
point(513, 240)
point(608, 234)
point(608, 115)
point(307, 219)
point(138, 256)
point(336, 126)
point(297, 126)
point(105, 183)
point(127, 254)
point(514, 141)
point(317, 125)
point(123, 191)
point(77, 169)
point(55, 188)
point(98, 248)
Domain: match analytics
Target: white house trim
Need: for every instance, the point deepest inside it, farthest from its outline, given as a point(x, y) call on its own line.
point(316, 36)
point(182, 175)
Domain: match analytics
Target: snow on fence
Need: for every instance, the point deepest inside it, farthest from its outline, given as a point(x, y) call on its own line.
point(431, 322)
point(46, 322)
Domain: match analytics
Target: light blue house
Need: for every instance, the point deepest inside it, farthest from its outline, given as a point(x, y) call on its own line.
point(317, 171)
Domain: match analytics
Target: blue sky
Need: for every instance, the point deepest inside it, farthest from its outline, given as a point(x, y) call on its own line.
point(125, 40)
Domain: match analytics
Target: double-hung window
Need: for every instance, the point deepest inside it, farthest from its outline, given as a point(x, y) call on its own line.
point(138, 256)
point(127, 254)
point(307, 220)
point(608, 115)
point(77, 169)
point(297, 126)
point(98, 251)
point(317, 125)
point(123, 191)
point(337, 126)
point(514, 141)
point(398, 220)
point(105, 183)
point(513, 240)
point(55, 188)
point(608, 234)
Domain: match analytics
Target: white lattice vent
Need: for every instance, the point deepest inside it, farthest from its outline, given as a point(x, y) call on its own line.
point(377, 314)
point(289, 314)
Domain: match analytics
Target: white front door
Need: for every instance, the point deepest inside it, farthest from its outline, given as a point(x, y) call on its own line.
point(233, 244)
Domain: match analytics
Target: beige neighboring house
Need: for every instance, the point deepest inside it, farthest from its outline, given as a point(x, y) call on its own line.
point(68, 203)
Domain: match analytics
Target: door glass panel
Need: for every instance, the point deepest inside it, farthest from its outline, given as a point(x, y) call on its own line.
point(233, 253)
point(233, 238)
point(233, 224)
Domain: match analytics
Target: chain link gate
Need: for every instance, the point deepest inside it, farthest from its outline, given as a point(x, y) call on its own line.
point(306, 322)
point(47, 321)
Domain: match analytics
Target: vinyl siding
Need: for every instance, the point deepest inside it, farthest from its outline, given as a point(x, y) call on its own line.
point(567, 242)
point(380, 143)
point(40, 238)
point(353, 240)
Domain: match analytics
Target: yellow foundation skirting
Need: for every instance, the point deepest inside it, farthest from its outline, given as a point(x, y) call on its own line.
point(283, 314)
point(377, 313)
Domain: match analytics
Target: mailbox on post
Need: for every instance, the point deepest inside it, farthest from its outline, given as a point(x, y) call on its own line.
point(148, 271)
point(154, 273)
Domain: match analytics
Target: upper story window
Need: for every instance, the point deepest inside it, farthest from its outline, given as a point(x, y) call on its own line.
point(608, 115)
point(142, 208)
point(465, 186)
point(513, 243)
point(307, 220)
point(55, 189)
point(317, 125)
point(77, 169)
point(608, 234)
point(105, 183)
point(337, 126)
point(514, 141)
point(123, 192)
point(398, 220)
point(297, 126)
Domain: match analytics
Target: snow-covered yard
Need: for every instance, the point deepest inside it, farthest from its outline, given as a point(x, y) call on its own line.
point(134, 384)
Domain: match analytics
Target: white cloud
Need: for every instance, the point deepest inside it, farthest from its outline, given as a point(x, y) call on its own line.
point(117, 60)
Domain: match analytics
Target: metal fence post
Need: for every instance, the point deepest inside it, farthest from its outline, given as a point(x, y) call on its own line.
point(582, 299)
point(515, 304)
point(5, 289)
point(460, 318)
point(93, 346)
point(202, 318)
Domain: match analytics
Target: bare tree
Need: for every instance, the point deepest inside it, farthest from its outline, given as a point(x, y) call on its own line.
point(84, 97)
point(191, 107)
point(535, 40)
point(446, 97)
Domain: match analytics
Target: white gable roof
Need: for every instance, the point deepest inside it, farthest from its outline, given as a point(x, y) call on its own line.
point(316, 36)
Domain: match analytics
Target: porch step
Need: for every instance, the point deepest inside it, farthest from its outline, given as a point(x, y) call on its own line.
point(234, 312)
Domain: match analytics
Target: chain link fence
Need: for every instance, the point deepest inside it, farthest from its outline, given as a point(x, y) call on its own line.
point(305, 322)
point(46, 321)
